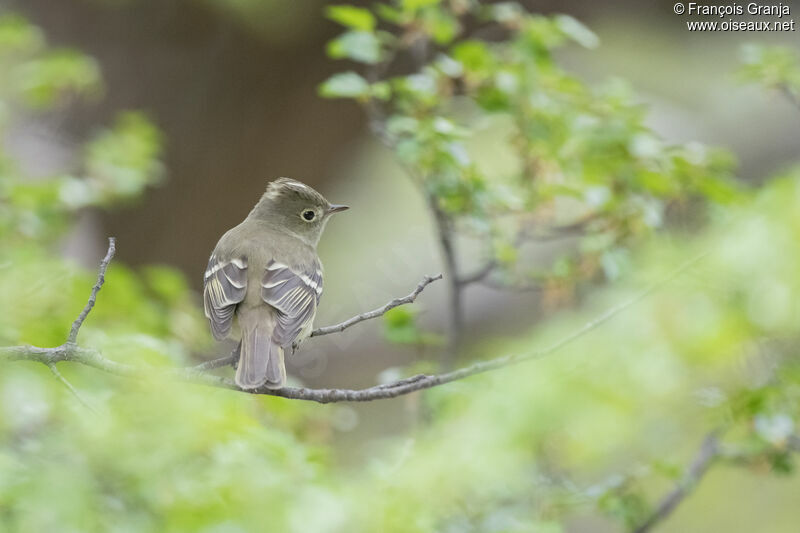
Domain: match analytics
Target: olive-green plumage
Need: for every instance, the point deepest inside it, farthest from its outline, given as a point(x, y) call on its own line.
point(265, 276)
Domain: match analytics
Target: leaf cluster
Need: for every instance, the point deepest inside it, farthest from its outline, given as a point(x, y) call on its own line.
point(437, 78)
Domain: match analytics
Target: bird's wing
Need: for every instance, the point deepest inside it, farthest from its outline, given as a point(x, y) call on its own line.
point(294, 293)
point(224, 286)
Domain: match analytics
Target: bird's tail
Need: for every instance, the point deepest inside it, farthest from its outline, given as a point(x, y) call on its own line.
point(260, 359)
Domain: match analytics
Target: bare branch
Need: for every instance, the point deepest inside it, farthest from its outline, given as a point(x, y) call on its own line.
point(375, 313)
point(790, 95)
point(708, 452)
point(512, 286)
point(548, 233)
point(70, 388)
point(196, 375)
point(217, 363)
point(447, 245)
point(101, 278)
point(525, 234)
point(478, 275)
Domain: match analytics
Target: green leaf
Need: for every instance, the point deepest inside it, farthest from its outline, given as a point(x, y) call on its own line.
point(442, 26)
point(505, 252)
point(493, 99)
point(541, 34)
point(344, 85)
point(625, 505)
point(577, 31)
point(18, 36)
point(123, 160)
point(416, 5)
point(772, 66)
point(381, 90)
point(400, 326)
point(359, 46)
point(475, 57)
point(782, 462)
point(391, 14)
point(357, 18)
point(41, 81)
point(420, 88)
point(448, 66)
point(398, 317)
point(506, 12)
point(399, 125)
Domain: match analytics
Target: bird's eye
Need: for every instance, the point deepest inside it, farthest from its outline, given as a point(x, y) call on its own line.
point(309, 214)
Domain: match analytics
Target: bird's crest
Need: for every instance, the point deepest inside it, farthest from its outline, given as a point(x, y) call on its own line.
point(284, 186)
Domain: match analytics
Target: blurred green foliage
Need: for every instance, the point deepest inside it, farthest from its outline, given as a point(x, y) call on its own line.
point(604, 424)
point(37, 75)
point(775, 67)
point(608, 422)
point(434, 72)
point(147, 312)
point(592, 434)
point(114, 166)
point(400, 326)
point(118, 163)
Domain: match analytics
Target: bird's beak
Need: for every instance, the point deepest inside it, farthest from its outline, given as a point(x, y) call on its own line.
point(337, 208)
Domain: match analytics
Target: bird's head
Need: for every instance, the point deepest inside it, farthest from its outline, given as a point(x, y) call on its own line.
point(296, 208)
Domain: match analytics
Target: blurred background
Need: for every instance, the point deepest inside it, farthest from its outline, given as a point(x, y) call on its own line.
point(206, 101)
point(233, 88)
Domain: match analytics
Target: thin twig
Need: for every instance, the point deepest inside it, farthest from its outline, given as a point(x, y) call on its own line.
point(217, 363)
point(512, 286)
point(708, 452)
point(447, 244)
point(547, 233)
point(70, 388)
point(71, 352)
point(790, 95)
point(380, 311)
point(101, 278)
point(479, 275)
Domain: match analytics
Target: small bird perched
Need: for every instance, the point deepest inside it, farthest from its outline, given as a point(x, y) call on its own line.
point(265, 272)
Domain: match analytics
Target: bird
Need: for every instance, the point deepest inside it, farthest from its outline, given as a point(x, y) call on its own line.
point(265, 275)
